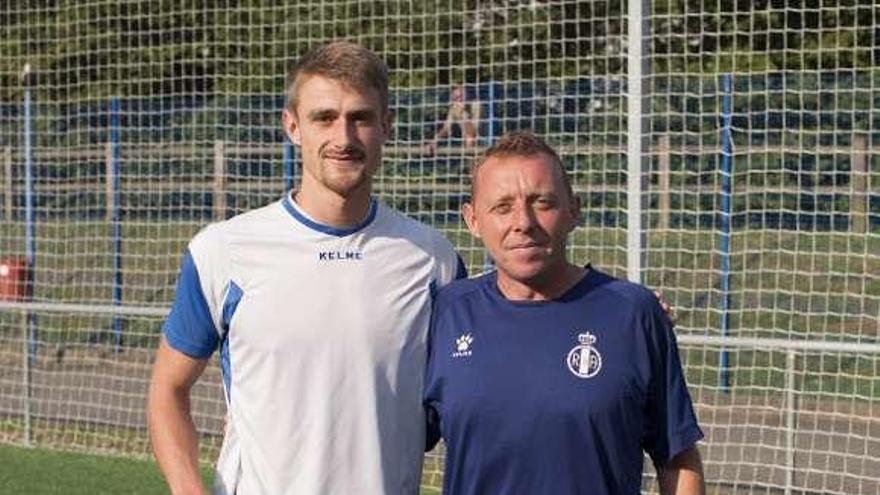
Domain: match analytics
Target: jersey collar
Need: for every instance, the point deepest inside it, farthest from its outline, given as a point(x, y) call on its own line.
point(300, 216)
point(591, 279)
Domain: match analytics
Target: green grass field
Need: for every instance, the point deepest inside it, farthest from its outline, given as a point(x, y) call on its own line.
point(45, 472)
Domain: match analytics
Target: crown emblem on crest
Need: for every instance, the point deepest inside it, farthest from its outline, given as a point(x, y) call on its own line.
point(587, 338)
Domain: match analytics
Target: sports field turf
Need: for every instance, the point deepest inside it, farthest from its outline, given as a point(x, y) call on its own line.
point(44, 472)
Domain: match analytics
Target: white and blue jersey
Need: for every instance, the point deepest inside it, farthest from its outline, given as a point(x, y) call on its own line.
point(321, 333)
point(557, 396)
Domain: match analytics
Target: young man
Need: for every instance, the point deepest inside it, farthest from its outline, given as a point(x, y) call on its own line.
point(319, 304)
point(544, 376)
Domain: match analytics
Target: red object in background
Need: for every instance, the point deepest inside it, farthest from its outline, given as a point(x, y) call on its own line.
point(13, 279)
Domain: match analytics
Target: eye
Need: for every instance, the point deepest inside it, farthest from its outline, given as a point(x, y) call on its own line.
point(501, 208)
point(545, 203)
point(323, 118)
point(362, 118)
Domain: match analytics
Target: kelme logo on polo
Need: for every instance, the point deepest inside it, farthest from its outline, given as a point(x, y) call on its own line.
point(340, 256)
point(463, 345)
point(584, 360)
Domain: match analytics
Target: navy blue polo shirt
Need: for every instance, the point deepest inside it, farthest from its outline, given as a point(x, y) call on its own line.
point(560, 396)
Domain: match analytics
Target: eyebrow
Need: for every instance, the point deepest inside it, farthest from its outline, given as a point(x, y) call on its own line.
point(322, 113)
point(529, 197)
point(363, 113)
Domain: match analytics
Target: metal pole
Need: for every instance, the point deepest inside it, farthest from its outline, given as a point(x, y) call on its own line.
point(27, 376)
point(859, 174)
point(494, 128)
point(790, 412)
point(663, 182)
point(30, 221)
point(219, 180)
point(289, 160)
point(637, 70)
point(7, 183)
point(726, 211)
point(115, 220)
point(29, 321)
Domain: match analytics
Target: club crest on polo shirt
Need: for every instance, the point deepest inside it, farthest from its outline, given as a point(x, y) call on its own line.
point(463, 345)
point(583, 360)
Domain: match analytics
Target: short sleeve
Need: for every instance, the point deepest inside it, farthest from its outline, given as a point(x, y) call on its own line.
point(189, 327)
point(671, 425)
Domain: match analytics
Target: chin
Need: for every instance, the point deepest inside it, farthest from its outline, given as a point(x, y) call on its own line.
point(347, 187)
point(524, 273)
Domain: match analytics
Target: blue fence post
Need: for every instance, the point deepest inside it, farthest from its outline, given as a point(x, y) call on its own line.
point(30, 219)
point(115, 220)
point(726, 217)
point(289, 160)
point(493, 129)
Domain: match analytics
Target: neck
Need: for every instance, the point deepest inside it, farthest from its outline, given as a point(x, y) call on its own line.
point(334, 209)
point(546, 287)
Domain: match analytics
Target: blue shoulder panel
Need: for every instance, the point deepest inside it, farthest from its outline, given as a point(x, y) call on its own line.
point(189, 327)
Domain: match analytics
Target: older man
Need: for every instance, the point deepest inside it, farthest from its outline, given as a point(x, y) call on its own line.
point(544, 376)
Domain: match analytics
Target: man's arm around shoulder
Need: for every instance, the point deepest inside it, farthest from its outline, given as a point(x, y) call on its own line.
point(172, 432)
point(683, 474)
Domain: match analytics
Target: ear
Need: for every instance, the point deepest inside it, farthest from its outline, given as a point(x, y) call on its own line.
point(388, 123)
point(291, 127)
point(575, 212)
point(470, 218)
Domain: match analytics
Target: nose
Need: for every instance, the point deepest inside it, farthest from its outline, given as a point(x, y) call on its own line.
point(523, 218)
point(344, 131)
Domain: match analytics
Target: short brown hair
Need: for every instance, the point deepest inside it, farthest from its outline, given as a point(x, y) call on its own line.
point(341, 61)
point(520, 144)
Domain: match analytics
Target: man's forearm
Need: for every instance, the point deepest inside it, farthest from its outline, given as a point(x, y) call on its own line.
point(175, 441)
point(172, 432)
point(683, 475)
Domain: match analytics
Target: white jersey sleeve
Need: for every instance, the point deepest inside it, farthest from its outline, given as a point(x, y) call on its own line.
point(195, 324)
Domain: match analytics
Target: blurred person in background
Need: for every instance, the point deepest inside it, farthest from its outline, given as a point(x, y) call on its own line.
point(463, 113)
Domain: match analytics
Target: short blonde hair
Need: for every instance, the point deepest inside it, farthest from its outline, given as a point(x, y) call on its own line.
point(342, 61)
point(518, 144)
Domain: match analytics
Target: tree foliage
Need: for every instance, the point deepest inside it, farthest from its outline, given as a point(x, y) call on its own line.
point(91, 50)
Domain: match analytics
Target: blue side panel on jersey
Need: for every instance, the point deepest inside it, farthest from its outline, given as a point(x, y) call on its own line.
point(327, 229)
point(225, 370)
point(230, 304)
point(189, 327)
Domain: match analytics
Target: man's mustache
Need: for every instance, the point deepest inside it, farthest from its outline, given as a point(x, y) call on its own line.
point(349, 152)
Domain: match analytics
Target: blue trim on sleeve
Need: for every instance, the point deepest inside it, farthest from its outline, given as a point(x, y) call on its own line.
point(230, 305)
point(299, 216)
point(189, 327)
